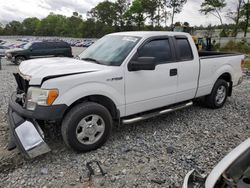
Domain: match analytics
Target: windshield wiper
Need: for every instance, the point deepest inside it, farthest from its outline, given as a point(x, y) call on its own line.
point(91, 59)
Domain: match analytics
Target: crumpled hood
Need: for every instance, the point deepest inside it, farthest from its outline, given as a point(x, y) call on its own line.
point(38, 69)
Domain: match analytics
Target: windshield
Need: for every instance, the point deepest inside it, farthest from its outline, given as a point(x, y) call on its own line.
point(26, 46)
point(110, 50)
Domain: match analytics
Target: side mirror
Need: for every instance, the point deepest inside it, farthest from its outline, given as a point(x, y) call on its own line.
point(142, 63)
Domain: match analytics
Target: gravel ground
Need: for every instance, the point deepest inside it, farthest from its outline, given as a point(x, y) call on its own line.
point(153, 153)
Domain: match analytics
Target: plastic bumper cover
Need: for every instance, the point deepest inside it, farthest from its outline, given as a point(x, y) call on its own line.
point(27, 135)
point(25, 131)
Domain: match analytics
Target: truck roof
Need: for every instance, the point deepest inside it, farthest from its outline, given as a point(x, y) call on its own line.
point(145, 34)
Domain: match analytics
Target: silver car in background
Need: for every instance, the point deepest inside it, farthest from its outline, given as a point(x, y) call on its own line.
point(2, 50)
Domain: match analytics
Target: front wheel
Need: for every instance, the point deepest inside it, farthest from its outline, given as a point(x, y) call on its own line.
point(86, 127)
point(19, 59)
point(218, 96)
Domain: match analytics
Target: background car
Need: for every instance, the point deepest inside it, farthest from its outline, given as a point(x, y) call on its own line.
point(39, 49)
point(2, 50)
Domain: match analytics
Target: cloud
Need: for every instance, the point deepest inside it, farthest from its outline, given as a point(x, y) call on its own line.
point(192, 15)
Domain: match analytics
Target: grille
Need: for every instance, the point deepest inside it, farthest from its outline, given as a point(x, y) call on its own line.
point(22, 84)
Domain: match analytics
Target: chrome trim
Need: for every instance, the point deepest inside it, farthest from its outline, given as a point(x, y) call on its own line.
point(153, 114)
point(128, 121)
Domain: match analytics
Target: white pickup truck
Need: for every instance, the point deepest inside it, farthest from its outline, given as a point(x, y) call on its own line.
point(124, 78)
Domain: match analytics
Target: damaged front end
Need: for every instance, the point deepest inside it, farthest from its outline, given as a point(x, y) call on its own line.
point(27, 136)
point(25, 133)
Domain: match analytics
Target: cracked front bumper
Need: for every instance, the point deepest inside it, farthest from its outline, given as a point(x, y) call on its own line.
point(27, 135)
point(25, 132)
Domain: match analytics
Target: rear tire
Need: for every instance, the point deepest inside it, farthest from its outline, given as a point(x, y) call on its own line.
point(218, 96)
point(86, 126)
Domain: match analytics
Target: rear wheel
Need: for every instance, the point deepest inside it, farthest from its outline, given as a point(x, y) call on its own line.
point(218, 96)
point(19, 59)
point(87, 126)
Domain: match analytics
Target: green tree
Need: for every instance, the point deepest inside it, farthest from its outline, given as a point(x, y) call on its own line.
point(150, 7)
point(73, 26)
point(213, 7)
point(30, 26)
point(121, 6)
point(53, 25)
point(136, 13)
point(176, 7)
point(105, 12)
point(245, 13)
point(14, 28)
point(1, 29)
point(235, 15)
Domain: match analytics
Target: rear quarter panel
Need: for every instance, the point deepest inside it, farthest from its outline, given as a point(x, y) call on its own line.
point(212, 68)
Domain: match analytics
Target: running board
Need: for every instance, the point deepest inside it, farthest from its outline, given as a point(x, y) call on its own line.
point(153, 114)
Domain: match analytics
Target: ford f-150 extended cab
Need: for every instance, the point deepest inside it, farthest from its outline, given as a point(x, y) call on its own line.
point(124, 77)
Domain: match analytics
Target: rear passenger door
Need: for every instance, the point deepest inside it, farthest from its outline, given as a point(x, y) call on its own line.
point(188, 69)
point(149, 89)
point(35, 50)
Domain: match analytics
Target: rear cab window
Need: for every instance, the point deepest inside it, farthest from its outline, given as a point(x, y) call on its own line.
point(183, 48)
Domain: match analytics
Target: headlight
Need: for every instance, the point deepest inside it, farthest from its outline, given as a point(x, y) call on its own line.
point(38, 96)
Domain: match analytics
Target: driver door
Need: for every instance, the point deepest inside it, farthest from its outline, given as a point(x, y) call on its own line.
point(149, 89)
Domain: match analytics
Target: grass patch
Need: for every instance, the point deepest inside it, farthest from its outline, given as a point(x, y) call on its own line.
point(247, 63)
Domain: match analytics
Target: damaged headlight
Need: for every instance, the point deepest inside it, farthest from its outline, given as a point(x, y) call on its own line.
point(38, 96)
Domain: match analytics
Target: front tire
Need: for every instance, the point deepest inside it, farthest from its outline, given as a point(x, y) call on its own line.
point(19, 59)
point(218, 96)
point(86, 126)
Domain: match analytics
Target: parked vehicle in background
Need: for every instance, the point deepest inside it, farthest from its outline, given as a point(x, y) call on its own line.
point(2, 42)
point(3, 50)
point(39, 49)
point(20, 45)
point(232, 171)
point(123, 78)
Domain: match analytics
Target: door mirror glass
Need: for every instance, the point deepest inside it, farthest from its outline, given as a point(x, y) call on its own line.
point(142, 63)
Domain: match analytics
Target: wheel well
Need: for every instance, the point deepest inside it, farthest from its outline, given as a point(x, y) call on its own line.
point(21, 56)
point(227, 77)
point(100, 99)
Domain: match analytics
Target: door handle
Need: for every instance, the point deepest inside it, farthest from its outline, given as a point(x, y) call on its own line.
point(173, 72)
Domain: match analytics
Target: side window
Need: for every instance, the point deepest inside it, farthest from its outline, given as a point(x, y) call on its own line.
point(35, 46)
point(184, 49)
point(42, 45)
point(159, 49)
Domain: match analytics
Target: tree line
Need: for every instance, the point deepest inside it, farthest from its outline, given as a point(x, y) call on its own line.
point(123, 15)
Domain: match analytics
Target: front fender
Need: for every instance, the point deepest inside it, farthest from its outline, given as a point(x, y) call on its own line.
point(91, 88)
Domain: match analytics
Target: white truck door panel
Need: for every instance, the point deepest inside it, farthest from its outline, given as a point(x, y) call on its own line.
point(149, 89)
point(188, 70)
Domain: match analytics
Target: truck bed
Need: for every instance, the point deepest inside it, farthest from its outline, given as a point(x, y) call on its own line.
point(214, 54)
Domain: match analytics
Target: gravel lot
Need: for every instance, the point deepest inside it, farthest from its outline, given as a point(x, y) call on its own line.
point(153, 153)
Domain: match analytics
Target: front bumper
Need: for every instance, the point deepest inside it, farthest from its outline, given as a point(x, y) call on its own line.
point(27, 135)
point(10, 58)
point(25, 131)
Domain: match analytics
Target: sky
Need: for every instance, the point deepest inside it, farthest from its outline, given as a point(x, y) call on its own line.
point(21, 9)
